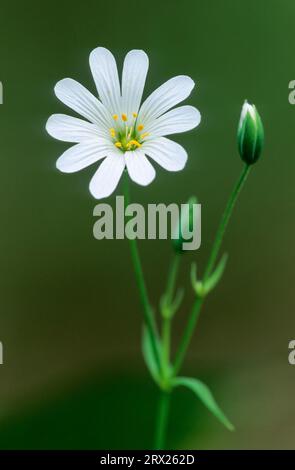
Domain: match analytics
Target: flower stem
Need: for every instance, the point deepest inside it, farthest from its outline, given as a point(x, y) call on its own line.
point(225, 219)
point(162, 419)
point(166, 333)
point(172, 277)
point(166, 325)
point(163, 409)
point(147, 309)
point(194, 315)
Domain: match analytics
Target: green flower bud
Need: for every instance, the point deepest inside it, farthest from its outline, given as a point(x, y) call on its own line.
point(250, 134)
point(186, 220)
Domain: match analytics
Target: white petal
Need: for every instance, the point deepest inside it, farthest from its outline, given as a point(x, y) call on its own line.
point(166, 97)
point(139, 168)
point(107, 177)
point(105, 73)
point(71, 129)
point(166, 153)
point(78, 98)
point(177, 120)
point(135, 69)
point(82, 155)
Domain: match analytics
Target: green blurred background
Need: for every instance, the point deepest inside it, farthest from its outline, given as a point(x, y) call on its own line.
point(70, 322)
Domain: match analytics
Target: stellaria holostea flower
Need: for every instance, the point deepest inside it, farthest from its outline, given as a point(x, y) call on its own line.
point(118, 129)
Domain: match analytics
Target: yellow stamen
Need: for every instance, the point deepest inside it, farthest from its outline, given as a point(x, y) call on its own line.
point(144, 135)
point(133, 142)
point(118, 144)
point(134, 115)
point(140, 127)
point(124, 117)
point(115, 116)
point(112, 132)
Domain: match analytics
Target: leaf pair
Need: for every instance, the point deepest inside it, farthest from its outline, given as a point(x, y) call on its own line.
point(202, 288)
point(169, 307)
point(196, 386)
point(204, 394)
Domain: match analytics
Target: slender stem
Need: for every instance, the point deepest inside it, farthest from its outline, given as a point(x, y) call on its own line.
point(188, 332)
point(166, 334)
point(163, 410)
point(147, 310)
point(172, 277)
point(194, 315)
point(166, 323)
point(224, 220)
point(162, 419)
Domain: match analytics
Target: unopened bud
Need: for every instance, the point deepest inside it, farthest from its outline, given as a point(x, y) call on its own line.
point(250, 134)
point(186, 225)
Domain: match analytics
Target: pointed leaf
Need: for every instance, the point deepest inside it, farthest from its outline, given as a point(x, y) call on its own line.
point(216, 275)
point(205, 395)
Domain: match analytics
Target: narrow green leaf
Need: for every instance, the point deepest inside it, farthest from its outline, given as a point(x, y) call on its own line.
point(198, 286)
point(168, 307)
point(205, 395)
point(217, 274)
point(149, 356)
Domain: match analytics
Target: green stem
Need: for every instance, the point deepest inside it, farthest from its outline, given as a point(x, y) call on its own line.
point(187, 335)
point(166, 334)
point(163, 411)
point(162, 419)
point(147, 310)
point(194, 315)
point(166, 325)
point(172, 277)
point(224, 220)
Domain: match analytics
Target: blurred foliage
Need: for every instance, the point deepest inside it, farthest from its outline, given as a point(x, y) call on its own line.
point(102, 413)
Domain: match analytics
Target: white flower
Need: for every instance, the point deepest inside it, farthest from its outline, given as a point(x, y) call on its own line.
point(118, 129)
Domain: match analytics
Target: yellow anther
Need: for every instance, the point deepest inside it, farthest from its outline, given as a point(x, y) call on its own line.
point(144, 135)
point(133, 142)
point(134, 115)
point(118, 144)
point(124, 117)
point(115, 116)
point(140, 127)
point(112, 132)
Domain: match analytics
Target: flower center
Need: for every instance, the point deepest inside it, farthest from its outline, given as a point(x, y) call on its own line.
point(127, 134)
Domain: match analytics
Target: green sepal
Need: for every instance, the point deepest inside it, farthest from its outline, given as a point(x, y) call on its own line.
point(250, 134)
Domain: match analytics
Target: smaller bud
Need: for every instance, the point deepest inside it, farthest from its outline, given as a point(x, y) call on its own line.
point(185, 224)
point(250, 134)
